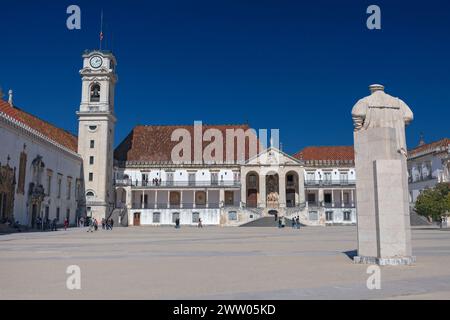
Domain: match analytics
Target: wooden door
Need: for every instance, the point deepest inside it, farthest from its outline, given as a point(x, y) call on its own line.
point(137, 219)
point(252, 198)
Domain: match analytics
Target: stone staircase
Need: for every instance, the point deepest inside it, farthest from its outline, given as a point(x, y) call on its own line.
point(262, 222)
point(418, 220)
point(119, 212)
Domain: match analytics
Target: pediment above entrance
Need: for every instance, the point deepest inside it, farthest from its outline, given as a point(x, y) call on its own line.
point(272, 157)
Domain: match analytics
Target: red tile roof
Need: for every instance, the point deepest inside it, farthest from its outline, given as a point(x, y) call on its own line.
point(327, 153)
point(52, 132)
point(442, 144)
point(153, 143)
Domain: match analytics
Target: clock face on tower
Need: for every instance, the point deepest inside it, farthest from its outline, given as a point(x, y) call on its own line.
point(96, 61)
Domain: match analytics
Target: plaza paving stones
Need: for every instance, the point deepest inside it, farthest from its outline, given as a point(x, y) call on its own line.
point(215, 263)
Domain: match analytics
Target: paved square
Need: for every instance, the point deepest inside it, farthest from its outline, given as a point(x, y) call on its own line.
point(214, 263)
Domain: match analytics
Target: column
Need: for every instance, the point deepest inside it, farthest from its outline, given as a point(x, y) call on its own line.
point(342, 198)
point(206, 196)
point(181, 199)
point(301, 186)
point(156, 199)
point(193, 199)
point(320, 196)
point(332, 198)
point(222, 198)
point(262, 197)
point(244, 188)
point(168, 199)
point(282, 189)
point(129, 205)
point(142, 200)
point(352, 197)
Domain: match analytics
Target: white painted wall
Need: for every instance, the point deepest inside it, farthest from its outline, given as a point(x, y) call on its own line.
point(208, 216)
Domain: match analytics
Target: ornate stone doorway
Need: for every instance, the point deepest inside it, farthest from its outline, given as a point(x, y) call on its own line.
point(272, 190)
point(7, 189)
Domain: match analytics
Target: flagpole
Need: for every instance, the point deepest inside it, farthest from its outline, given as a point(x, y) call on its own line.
point(101, 30)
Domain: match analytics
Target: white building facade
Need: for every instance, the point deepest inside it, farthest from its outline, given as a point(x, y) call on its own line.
point(428, 165)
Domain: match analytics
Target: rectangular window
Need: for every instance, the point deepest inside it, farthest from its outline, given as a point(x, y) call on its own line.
point(232, 215)
point(175, 216)
point(92, 144)
point(49, 182)
point(347, 216)
point(91, 176)
point(195, 217)
point(91, 160)
point(59, 185)
point(69, 187)
point(191, 179)
point(156, 217)
point(327, 177)
point(169, 177)
point(22, 172)
point(311, 198)
point(329, 215)
point(77, 189)
point(144, 179)
point(57, 214)
point(344, 178)
point(214, 178)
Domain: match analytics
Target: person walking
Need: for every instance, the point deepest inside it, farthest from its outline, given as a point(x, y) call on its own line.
point(283, 222)
point(91, 225)
point(66, 224)
point(200, 225)
point(177, 223)
point(95, 224)
point(103, 223)
point(294, 223)
point(298, 222)
point(111, 224)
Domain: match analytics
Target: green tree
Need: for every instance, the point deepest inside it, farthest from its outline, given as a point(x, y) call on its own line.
point(435, 202)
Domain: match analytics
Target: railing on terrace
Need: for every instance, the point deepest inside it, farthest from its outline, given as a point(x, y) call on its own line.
point(330, 182)
point(175, 184)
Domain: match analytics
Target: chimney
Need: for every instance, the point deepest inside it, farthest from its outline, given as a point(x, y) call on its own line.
point(10, 98)
point(376, 87)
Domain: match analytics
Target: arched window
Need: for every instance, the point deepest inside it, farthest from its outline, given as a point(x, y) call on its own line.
point(90, 194)
point(95, 92)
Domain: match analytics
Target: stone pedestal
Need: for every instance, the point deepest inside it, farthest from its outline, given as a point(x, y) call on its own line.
point(384, 235)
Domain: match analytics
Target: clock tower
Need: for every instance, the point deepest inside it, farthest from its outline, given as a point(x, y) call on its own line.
point(96, 131)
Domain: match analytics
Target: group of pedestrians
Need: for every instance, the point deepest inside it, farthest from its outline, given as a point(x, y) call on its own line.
point(51, 225)
point(295, 222)
point(93, 225)
point(107, 224)
point(178, 225)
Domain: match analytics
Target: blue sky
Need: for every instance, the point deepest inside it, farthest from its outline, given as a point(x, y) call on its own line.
point(294, 65)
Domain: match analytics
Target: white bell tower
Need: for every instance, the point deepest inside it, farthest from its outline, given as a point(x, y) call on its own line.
point(96, 131)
